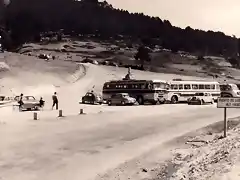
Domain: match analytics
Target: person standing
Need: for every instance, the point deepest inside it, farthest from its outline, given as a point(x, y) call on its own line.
point(55, 100)
point(20, 101)
point(41, 102)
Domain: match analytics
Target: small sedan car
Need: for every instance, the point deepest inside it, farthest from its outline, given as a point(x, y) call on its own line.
point(201, 98)
point(92, 98)
point(121, 99)
point(5, 100)
point(29, 103)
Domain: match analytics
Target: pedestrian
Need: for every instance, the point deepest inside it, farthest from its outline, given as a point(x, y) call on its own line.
point(55, 100)
point(20, 101)
point(41, 102)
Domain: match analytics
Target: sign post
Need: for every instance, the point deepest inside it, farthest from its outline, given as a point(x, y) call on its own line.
point(225, 123)
point(227, 102)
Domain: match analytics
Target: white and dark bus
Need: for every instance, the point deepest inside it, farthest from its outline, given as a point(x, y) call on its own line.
point(151, 91)
point(229, 90)
point(181, 90)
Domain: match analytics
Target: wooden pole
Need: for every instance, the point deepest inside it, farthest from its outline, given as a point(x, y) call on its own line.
point(225, 122)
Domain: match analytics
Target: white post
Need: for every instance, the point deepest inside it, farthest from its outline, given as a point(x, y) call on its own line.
point(60, 113)
point(81, 111)
point(35, 116)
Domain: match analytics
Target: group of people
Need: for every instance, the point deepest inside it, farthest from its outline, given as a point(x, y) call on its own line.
point(41, 101)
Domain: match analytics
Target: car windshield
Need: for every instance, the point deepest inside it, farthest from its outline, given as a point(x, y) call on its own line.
point(28, 98)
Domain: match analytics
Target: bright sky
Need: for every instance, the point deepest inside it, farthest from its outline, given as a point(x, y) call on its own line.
point(217, 15)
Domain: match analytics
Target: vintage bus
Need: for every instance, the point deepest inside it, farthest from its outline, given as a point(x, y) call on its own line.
point(229, 90)
point(151, 91)
point(181, 90)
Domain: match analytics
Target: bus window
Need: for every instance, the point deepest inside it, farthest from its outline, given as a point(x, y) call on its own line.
point(174, 86)
point(143, 86)
point(212, 86)
point(194, 86)
point(201, 86)
point(125, 86)
point(180, 86)
point(218, 87)
point(207, 86)
point(187, 86)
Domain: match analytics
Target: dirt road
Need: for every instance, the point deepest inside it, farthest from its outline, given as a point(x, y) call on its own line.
point(82, 147)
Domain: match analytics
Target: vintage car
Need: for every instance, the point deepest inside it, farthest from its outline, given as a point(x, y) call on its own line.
point(121, 99)
point(201, 98)
point(92, 98)
point(29, 103)
point(5, 100)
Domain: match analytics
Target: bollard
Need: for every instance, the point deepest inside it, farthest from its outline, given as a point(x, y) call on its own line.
point(81, 111)
point(35, 116)
point(60, 113)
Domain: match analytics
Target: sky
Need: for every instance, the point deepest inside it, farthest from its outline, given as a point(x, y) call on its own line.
point(216, 15)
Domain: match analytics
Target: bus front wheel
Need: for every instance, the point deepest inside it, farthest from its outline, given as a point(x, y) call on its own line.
point(140, 100)
point(174, 99)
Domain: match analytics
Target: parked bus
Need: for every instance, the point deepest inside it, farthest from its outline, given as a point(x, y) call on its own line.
point(180, 90)
point(151, 91)
point(229, 90)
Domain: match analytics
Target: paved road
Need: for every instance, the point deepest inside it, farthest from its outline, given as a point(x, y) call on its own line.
point(81, 147)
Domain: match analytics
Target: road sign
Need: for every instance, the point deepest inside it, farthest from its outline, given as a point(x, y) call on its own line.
point(225, 102)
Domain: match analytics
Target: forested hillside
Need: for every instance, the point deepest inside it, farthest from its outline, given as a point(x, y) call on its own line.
point(24, 20)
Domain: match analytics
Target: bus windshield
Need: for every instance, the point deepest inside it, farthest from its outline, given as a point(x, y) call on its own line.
point(228, 87)
point(160, 85)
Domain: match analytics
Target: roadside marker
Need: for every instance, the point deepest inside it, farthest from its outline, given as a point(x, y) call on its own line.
point(35, 116)
point(81, 111)
point(227, 102)
point(60, 113)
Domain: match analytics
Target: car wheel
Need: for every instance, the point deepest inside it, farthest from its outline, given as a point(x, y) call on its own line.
point(161, 102)
point(83, 102)
point(109, 103)
point(140, 100)
point(201, 102)
point(154, 102)
point(212, 101)
point(123, 103)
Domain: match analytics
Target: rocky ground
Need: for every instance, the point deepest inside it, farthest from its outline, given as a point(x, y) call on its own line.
point(210, 156)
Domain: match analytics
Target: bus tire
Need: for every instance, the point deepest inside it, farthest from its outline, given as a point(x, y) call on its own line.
point(140, 100)
point(174, 99)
